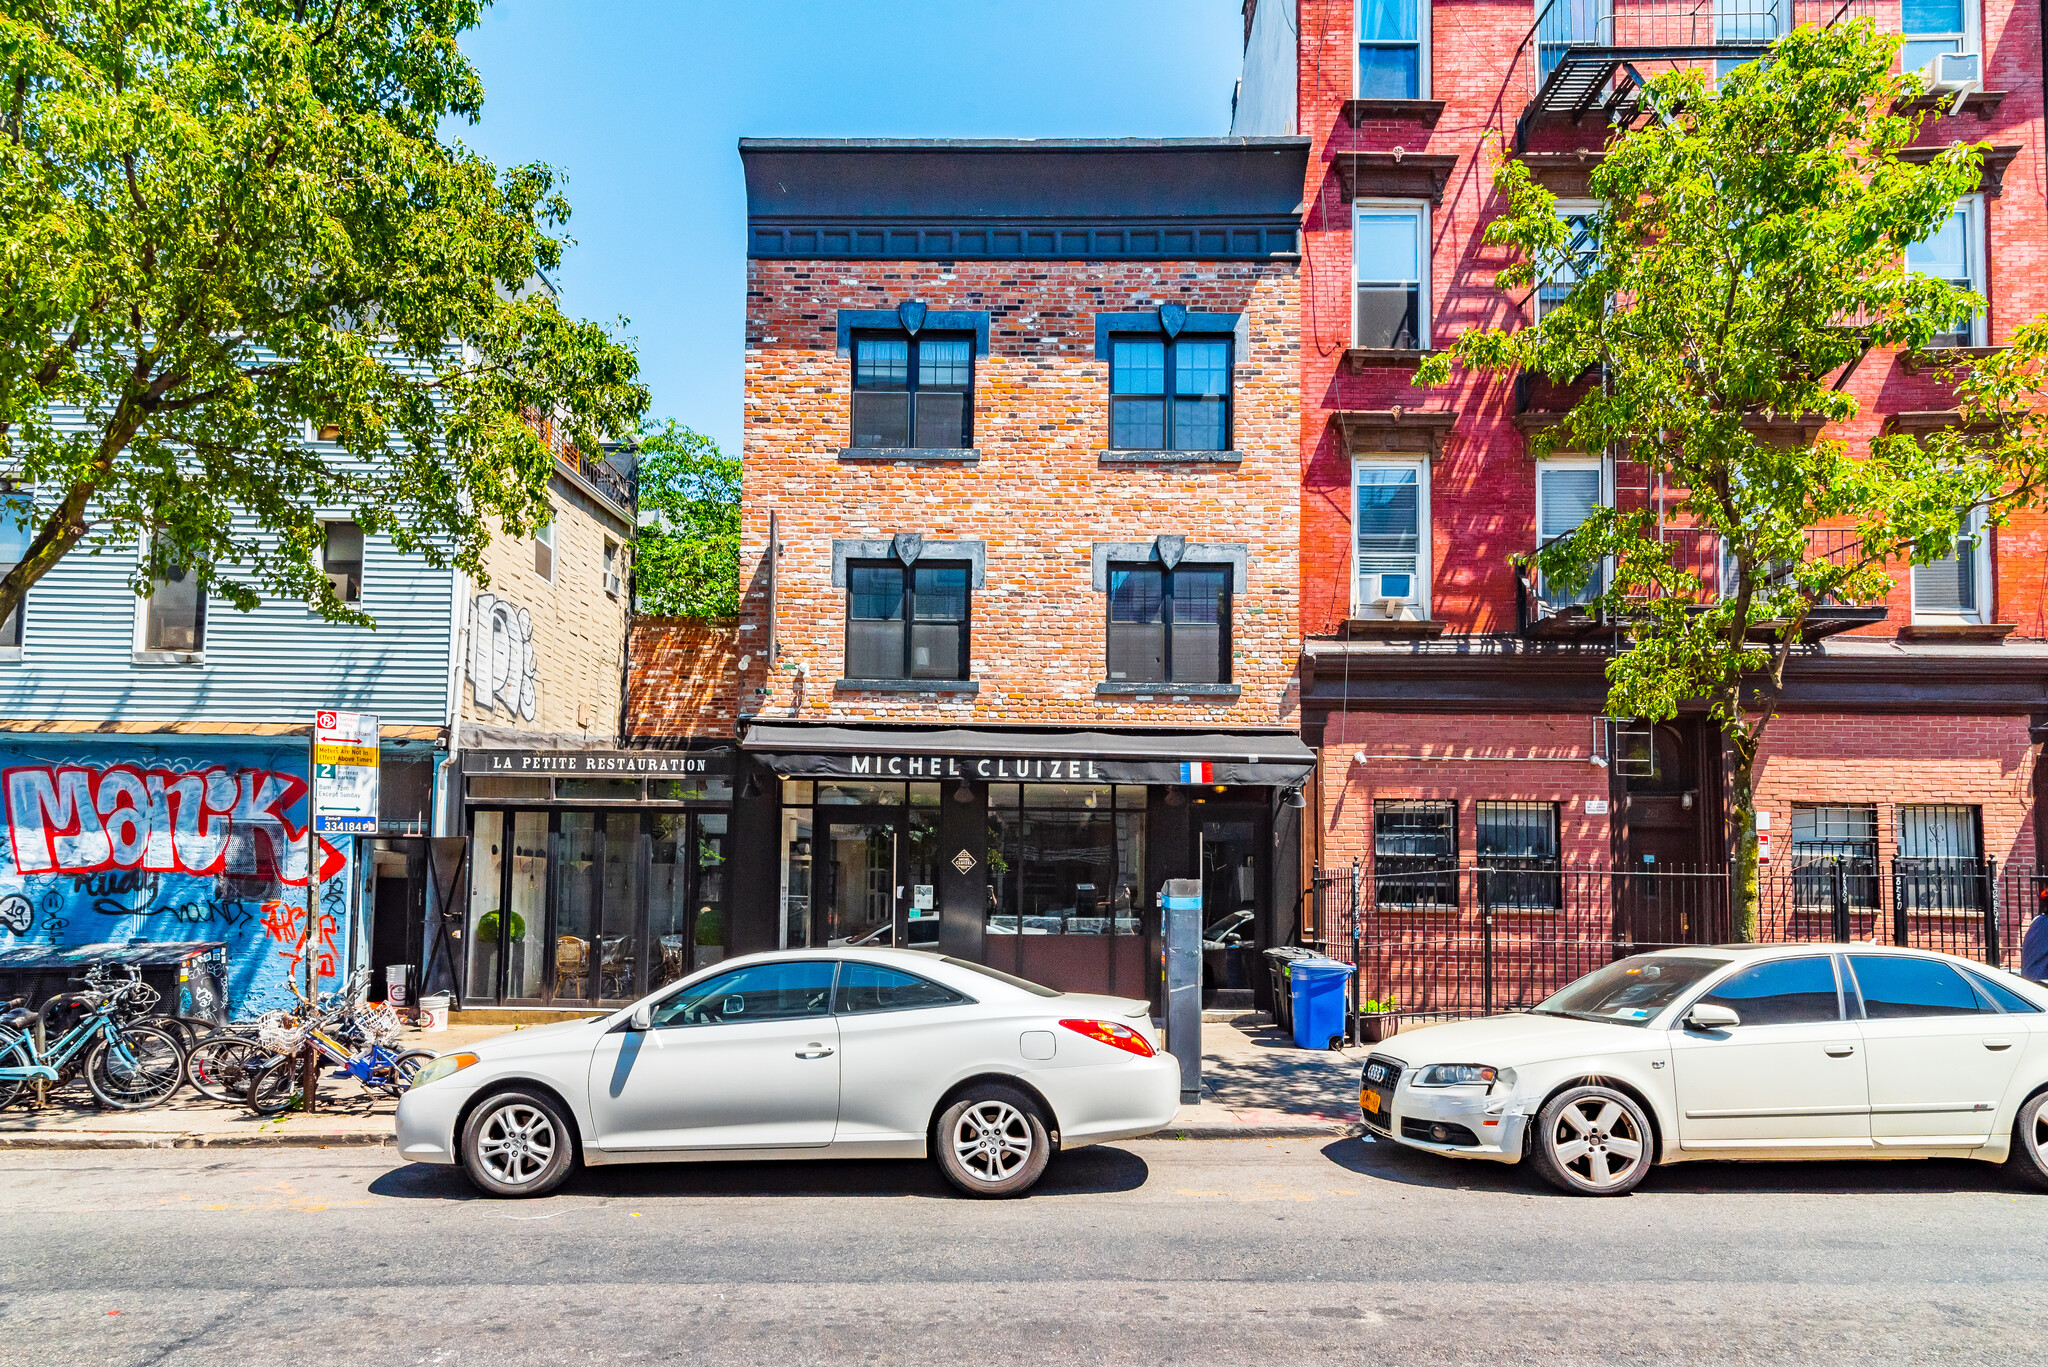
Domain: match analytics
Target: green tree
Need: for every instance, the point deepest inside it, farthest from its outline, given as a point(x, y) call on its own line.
point(686, 561)
point(229, 225)
point(1747, 257)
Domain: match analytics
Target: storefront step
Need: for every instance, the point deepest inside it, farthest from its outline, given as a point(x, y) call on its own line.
point(508, 1015)
point(1235, 1015)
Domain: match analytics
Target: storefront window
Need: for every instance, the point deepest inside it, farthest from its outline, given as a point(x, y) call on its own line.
point(526, 927)
point(618, 954)
point(796, 877)
point(855, 793)
point(689, 789)
point(601, 789)
point(668, 900)
point(575, 905)
point(710, 889)
point(486, 889)
point(1064, 860)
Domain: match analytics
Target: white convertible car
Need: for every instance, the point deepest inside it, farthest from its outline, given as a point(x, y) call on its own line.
point(1778, 1051)
point(841, 1053)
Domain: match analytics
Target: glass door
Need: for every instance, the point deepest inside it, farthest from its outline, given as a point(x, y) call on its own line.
point(857, 889)
point(506, 931)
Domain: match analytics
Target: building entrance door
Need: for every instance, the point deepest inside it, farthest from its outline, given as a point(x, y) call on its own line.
point(1232, 898)
point(857, 888)
point(1667, 816)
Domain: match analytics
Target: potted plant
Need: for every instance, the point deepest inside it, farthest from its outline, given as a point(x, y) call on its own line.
point(1378, 1020)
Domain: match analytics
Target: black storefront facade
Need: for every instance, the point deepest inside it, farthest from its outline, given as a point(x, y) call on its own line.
point(1037, 852)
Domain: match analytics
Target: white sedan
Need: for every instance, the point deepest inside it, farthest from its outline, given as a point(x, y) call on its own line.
point(1778, 1051)
point(844, 1053)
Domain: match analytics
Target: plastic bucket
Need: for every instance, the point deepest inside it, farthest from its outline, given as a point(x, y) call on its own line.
point(434, 1012)
point(398, 985)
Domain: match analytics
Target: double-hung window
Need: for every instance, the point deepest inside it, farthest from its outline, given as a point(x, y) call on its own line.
point(17, 531)
point(172, 619)
point(1938, 867)
point(1578, 223)
point(1519, 855)
point(341, 559)
point(1414, 852)
point(1390, 515)
point(913, 393)
point(1390, 262)
point(1954, 252)
point(1834, 844)
point(1955, 587)
point(906, 621)
point(1393, 50)
point(1169, 395)
point(1932, 27)
point(1169, 626)
point(1567, 492)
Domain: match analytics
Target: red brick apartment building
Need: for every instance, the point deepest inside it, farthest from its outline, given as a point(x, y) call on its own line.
point(1456, 714)
point(1020, 565)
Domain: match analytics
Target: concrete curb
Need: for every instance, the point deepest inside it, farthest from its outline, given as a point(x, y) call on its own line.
point(1306, 1129)
point(360, 1139)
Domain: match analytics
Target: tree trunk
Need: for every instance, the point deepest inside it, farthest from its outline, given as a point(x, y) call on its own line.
point(1745, 896)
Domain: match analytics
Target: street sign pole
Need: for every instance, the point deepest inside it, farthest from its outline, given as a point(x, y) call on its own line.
point(309, 1086)
point(342, 800)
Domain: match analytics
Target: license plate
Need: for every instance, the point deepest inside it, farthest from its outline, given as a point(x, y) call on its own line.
point(1369, 1100)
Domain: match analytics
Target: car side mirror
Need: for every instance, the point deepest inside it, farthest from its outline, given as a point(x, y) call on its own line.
point(1710, 1016)
point(642, 1017)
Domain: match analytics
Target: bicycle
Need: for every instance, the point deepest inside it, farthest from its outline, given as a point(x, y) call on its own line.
point(221, 1064)
point(327, 1037)
point(128, 1066)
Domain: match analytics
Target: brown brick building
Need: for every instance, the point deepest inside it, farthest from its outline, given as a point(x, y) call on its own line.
point(1456, 713)
point(1020, 562)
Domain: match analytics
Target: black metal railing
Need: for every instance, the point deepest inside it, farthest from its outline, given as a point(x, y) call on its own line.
point(615, 484)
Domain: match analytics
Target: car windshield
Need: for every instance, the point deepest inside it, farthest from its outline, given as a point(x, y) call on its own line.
point(1628, 991)
point(1001, 977)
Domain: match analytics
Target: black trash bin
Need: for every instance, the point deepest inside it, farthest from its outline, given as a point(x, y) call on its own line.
point(1281, 959)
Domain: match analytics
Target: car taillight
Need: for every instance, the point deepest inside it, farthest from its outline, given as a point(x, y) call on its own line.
point(1116, 1036)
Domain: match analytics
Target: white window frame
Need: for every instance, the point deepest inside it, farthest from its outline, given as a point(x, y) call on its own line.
point(1424, 548)
point(1970, 40)
point(1425, 302)
point(1566, 209)
point(1574, 462)
point(11, 493)
point(326, 526)
point(1980, 567)
point(1424, 17)
point(613, 567)
point(1975, 242)
point(544, 535)
point(138, 651)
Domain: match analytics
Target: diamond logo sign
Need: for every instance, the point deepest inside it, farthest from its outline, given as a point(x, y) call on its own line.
point(964, 862)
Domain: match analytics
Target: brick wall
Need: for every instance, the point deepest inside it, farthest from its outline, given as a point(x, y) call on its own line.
point(1039, 496)
point(683, 679)
point(1483, 484)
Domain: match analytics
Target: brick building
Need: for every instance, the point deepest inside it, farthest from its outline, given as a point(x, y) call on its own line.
point(1457, 714)
point(1019, 562)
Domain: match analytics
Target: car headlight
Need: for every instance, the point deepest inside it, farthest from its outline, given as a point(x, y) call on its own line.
point(445, 1066)
point(1464, 1075)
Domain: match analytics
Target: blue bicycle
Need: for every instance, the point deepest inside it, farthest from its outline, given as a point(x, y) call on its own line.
point(128, 1065)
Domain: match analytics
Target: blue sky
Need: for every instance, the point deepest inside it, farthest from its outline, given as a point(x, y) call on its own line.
point(641, 103)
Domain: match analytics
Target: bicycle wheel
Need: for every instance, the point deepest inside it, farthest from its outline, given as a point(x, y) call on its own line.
point(14, 1053)
point(141, 1067)
point(406, 1065)
point(274, 1089)
point(219, 1068)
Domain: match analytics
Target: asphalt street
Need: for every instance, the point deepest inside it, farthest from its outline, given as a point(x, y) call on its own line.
point(1251, 1251)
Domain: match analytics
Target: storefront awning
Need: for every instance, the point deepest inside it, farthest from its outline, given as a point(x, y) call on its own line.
point(1277, 758)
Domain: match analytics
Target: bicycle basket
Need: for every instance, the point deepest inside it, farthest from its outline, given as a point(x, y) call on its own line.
point(279, 1032)
point(378, 1024)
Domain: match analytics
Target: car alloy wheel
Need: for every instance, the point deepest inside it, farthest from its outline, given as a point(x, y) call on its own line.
point(1593, 1141)
point(991, 1141)
point(2029, 1156)
point(517, 1144)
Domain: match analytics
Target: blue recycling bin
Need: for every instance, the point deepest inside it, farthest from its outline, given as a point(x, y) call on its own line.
point(1318, 991)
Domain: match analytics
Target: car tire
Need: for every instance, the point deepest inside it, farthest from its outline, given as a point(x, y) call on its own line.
point(1592, 1141)
point(517, 1144)
point(2029, 1156)
point(992, 1141)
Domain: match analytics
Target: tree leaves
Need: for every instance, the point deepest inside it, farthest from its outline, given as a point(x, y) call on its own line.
point(686, 562)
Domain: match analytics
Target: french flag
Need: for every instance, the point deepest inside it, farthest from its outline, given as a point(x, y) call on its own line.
point(1195, 772)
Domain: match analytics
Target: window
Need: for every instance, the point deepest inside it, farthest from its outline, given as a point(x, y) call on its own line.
point(763, 992)
point(16, 533)
point(1063, 859)
point(1414, 853)
point(614, 582)
point(1937, 868)
point(1393, 50)
point(913, 392)
point(1578, 219)
point(1832, 842)
point(341, 558)
point(1954, 252)
point(906, 621)
point(866, 988)
point(1518, 855)
point(1567, 492)
point(1169, 395)
point(1952, 588)
point(174, 614)
point(1391, 513)
point(1933, 27)
point(544, 551)
point(1629, 991)
point(1390, 262)
point(1787, 992)
point(2000, 994)
point(1567, 24)
point(1898, 988)
point(1169, 626)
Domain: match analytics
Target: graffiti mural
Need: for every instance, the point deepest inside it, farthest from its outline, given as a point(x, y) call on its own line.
point(111, 845)
point(501, 658)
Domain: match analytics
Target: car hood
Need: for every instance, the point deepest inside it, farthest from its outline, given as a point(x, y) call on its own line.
point(534, 1038)
point(1512, 1041)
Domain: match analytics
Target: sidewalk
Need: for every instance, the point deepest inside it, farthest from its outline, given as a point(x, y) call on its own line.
point(1255, 1084)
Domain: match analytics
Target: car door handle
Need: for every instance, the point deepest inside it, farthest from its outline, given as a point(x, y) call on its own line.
point(1840, 1050)
point(815, 1051)
point(1996, 1044)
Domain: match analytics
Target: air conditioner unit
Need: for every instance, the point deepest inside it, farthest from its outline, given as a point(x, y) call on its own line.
point(1390, 610)
point(1953, 76)
point(614, 585)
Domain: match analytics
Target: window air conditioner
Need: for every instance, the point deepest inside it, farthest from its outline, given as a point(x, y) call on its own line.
point(1952, 76)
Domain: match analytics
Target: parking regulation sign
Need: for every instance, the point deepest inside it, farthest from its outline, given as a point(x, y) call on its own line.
point(344, 773)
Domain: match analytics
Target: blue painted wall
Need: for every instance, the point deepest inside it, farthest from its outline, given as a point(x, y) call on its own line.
point(109, 840)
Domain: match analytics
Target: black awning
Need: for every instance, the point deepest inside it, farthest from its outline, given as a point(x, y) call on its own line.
point(1277, 758)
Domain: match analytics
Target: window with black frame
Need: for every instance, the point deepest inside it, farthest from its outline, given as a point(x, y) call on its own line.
point(1834, 845)
point(906, 621)
point(1521, 868)
point(1414, 853)
point(1169, 394)
point(913, 393)
point(1169, 626)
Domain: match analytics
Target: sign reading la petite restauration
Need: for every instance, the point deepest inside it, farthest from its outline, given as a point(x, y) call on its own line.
point(345, 773)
